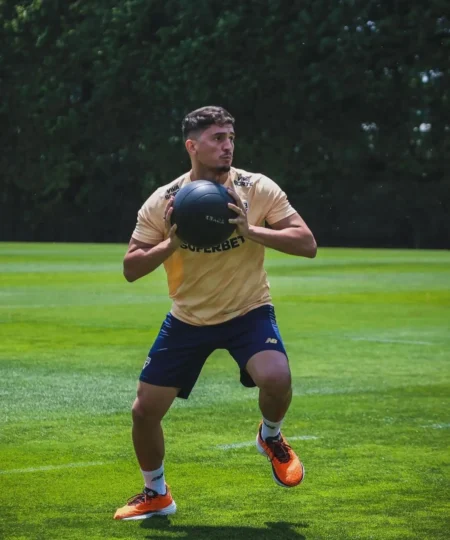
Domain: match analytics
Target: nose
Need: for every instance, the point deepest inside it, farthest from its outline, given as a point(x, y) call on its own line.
point(227, 145)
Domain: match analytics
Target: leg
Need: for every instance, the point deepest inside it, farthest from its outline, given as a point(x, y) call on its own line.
point(259, 351)
point(173, 365)
point(151, 404)
point(171, 370)
point(270, 372)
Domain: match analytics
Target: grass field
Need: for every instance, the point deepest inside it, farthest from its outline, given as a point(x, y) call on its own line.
point(368, 333)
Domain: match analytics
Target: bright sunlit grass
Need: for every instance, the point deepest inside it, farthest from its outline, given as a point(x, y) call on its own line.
point(368, 334)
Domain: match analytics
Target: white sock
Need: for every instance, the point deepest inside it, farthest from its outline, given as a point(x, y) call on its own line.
point(155, 480)
point(270, 429)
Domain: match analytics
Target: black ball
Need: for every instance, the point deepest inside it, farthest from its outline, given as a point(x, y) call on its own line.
point(201, 213)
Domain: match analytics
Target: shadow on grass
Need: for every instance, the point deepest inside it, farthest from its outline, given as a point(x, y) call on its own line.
point(280, 530)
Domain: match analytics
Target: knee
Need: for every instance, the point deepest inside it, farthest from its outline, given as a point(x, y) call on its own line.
point(152, 403)
point(138, 410)
point(275, 381)
point(142, 411)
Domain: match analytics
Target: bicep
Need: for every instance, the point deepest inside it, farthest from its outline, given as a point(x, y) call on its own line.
point(135, 244)
point(292, 221)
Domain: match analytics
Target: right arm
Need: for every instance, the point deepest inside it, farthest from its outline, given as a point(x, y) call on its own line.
point(141, 258)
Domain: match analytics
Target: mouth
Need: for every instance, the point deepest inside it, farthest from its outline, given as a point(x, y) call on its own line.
point(227, 157)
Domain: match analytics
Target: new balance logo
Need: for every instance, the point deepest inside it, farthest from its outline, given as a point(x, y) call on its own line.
point(271, 340)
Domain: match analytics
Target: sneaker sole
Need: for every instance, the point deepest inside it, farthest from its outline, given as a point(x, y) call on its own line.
point(171, 509)
point(275, 477)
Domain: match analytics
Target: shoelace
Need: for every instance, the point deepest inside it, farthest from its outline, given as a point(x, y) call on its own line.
point(141, 497)
point(280, 449)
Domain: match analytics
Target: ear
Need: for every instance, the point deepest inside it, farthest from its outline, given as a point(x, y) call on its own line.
point(191, 147)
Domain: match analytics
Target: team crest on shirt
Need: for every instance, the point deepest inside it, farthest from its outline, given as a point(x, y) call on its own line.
point(147, 362)
point(243, 181)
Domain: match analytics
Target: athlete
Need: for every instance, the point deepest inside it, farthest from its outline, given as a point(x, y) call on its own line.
point(220, 300)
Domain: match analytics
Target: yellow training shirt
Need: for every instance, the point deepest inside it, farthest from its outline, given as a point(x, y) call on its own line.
point(213, 285)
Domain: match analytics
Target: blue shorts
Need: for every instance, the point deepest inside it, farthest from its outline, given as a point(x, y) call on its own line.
point(180, 350)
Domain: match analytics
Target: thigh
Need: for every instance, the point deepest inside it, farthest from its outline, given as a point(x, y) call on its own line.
point(251, 334)
point(177, 356)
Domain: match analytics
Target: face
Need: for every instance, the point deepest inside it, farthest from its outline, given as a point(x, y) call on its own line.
point(213, 148)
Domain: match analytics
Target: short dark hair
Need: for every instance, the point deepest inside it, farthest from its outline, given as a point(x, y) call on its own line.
point(201, 119)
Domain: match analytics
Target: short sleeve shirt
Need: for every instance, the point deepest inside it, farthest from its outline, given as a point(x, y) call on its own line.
point(212, 285)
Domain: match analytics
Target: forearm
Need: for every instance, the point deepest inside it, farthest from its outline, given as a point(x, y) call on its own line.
point(292, 240)
point(143, 261)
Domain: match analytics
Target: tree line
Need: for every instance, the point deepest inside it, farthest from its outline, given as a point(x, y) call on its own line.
point(345, 104)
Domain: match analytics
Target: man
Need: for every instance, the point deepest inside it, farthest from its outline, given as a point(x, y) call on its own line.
point(220, 300)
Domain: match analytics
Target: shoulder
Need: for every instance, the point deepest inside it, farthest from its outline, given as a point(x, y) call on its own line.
point(245, 178)
point(162, 194)
point(260, 183)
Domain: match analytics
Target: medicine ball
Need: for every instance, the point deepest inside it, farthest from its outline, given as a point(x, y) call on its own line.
point(201, 213)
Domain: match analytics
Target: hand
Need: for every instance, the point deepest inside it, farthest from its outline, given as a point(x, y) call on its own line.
point(174, 241)
point(241, 221)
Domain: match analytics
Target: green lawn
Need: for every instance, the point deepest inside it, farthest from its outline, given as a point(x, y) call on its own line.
point(368, 334)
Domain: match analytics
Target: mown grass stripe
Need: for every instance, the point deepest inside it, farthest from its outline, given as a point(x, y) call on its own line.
point(54, 467)
point(382, 340)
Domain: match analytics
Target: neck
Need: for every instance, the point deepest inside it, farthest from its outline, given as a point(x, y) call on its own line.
point(203, 173)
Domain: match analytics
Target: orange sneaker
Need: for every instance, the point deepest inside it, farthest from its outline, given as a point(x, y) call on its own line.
point(147, 504)
point(287, 469)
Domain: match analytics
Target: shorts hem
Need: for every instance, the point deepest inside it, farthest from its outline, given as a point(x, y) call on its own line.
point(183, 393)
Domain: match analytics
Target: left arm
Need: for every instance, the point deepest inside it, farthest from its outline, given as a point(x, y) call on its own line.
point(289, 235)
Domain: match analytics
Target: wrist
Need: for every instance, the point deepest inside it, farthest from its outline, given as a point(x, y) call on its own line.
point(172, 244)
point(251, 232)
